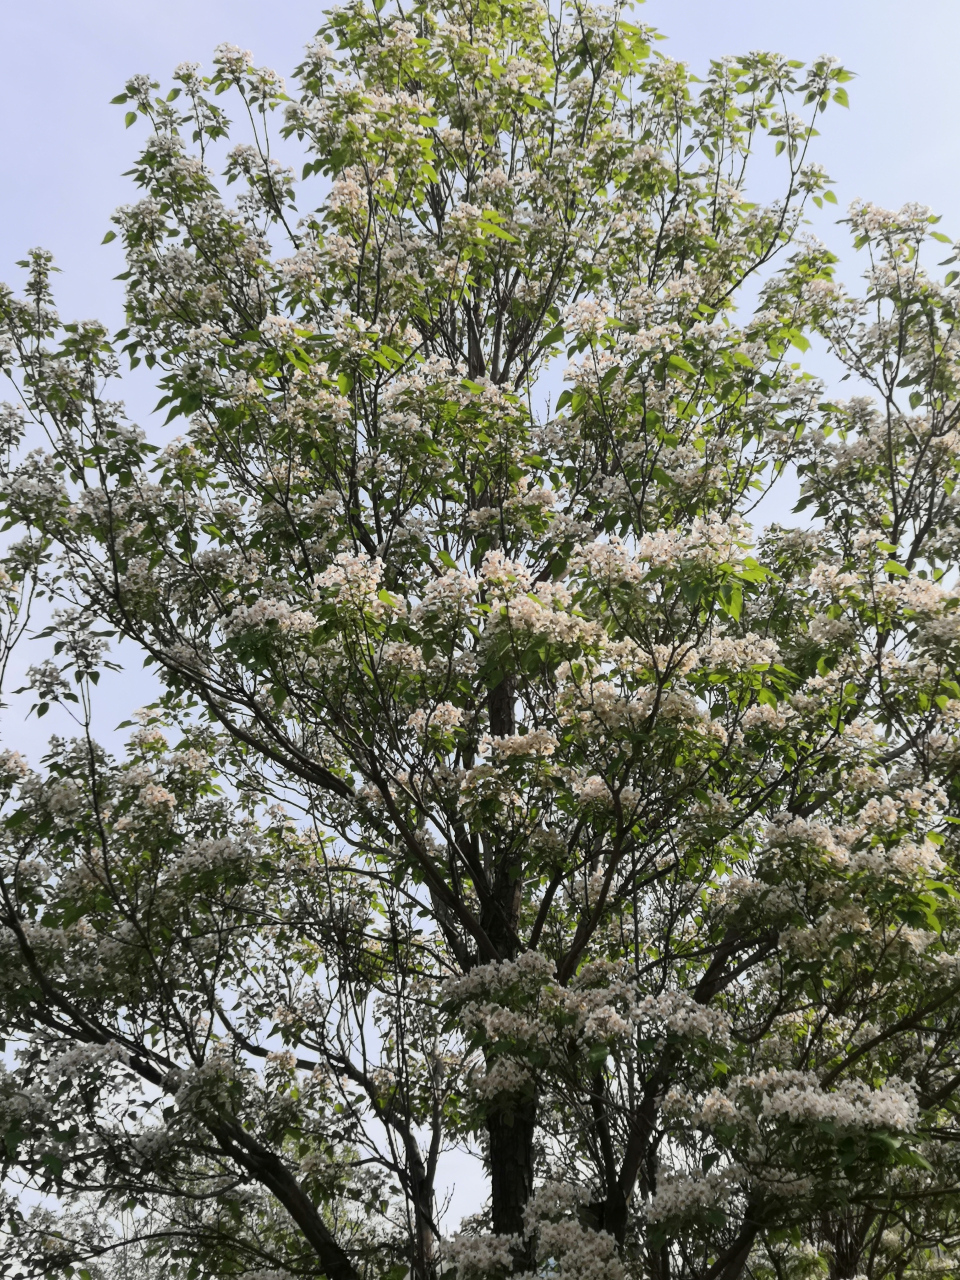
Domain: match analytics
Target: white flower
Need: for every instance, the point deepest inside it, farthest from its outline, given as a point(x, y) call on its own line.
point(153, 796)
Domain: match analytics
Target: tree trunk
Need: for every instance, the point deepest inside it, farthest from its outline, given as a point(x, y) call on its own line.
point(847, 1234)
point(511, 1131)
point(510, 1125)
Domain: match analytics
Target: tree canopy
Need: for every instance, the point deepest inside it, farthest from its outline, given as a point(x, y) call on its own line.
point(508, 791)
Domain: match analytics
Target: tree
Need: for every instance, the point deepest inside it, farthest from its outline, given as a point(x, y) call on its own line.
point(523, 796)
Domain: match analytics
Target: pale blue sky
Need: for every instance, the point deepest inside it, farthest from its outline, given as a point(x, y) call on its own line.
point(65, 148)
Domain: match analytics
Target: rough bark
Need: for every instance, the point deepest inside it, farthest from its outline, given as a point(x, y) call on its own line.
point(511, 1133)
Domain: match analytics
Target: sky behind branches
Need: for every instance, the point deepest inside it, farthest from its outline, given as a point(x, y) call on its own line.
point(65, 148)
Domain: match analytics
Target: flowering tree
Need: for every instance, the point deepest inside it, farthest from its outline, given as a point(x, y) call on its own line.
point(616, 840)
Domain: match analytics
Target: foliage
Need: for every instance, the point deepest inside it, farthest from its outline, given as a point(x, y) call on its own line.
point(617, 842)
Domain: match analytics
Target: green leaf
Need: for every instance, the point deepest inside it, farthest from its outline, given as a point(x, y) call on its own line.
point(731, 600)
point(678, 362)
point(491, 229)
point(798, 340)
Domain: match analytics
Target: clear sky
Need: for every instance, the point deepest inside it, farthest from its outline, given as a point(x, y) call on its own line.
point(65, 148)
